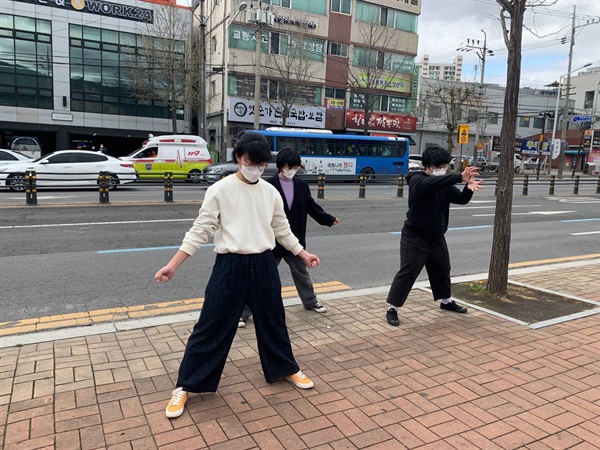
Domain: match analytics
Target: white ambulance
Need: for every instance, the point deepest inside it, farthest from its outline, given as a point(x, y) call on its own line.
point(183, 155)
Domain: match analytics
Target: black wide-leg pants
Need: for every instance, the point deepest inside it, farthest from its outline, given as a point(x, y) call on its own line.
point(237, 280)
point(417, 252)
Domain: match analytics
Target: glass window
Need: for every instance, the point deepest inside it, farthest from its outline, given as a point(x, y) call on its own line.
point(24, 23)
point(367, 12)
point(538, 122)
point(110, 36)
point(524, 122)
point(406, 21)
point(62, 158)
point(309, 6)
point(5, 156)
point(88, 157)
point(337, 49)
point(341, 6)
point(6, 21)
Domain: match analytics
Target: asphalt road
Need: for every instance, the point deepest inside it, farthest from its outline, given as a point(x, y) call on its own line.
point(182, 191)
point(56, 260)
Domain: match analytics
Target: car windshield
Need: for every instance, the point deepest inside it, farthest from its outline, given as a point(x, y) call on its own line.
point(134, 152)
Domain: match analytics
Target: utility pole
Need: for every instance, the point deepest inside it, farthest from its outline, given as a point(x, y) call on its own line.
point(258, 68)
point(481, 51)
point(202, 81)
point(565, 124)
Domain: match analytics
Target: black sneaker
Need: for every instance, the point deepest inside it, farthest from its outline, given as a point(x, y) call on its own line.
point(318, 307)
point(392, 317)
point(454, 307)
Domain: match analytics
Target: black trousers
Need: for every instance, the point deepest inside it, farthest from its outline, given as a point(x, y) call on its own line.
point(237, 280)
point(416, 252)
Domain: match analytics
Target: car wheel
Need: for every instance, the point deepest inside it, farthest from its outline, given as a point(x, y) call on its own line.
point(113, 182)
point(16, 183)
point(194, 176)
point(368, 173)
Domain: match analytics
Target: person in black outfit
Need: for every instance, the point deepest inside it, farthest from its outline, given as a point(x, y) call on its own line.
point(298, 204)
point(422, 243)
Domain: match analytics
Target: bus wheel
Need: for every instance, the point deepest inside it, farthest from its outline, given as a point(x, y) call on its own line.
point(194, 176)
point(368, 173)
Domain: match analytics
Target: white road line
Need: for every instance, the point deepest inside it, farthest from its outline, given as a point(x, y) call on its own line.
point(539, 213)
point(584, 233)
point(490, 206)
point(84, 224)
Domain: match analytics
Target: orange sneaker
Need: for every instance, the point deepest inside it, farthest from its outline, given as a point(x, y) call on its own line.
point(300, 380)
point(177, 403)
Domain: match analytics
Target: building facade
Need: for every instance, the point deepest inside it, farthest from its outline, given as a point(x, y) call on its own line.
point(441, 71)
point(321, 62)
point(63, 76)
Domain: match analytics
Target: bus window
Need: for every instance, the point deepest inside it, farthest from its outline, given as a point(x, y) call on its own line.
point(390, 149)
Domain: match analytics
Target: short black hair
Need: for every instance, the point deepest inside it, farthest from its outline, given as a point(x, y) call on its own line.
point(288, 157)
point(435, 156)
point(255, 146)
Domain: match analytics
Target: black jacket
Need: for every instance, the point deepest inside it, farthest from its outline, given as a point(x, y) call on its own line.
point(302, 206)
point(429, 199)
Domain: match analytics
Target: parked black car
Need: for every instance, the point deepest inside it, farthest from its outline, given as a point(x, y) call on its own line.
point(215, 172)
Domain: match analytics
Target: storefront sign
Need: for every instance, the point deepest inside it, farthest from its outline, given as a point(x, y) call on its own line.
point(382, 122)
point(242, 110)
point(335, 103)
point(530, 146)
point(100, 7)
point(384, 83)
point(299, 23)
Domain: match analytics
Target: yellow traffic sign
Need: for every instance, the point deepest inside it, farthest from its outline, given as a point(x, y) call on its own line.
point(463, 133)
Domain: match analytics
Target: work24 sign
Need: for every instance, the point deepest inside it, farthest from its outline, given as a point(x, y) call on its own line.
point(99, 7)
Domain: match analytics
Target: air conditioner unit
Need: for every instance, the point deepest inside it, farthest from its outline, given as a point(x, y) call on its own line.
point(264, 17)
point(250, 15)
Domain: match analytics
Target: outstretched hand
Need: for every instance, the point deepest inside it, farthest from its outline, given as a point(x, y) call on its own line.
point(469, 173)
point(474, 184)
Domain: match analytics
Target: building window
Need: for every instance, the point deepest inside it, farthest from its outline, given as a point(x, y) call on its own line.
point(100, 81)
point(492, 118)
point(26, 69)
point(335, 93)
point(284, 3)
point(213, 44)
point(213, 88)
point(524, 122)
point(341, 6)
point(337, 49)
point(435, 112)
point(588, 100)
point(387, 17)
point(538, 122)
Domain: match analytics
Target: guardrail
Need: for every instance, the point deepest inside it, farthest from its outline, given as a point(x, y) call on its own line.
point(105, 184)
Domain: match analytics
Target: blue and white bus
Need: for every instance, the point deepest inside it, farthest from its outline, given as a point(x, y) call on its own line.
point(343, 154)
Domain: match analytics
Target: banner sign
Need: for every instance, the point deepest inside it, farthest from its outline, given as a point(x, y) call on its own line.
point(335, 103)
point(382, 121)
point(531, 147)
point(242, 110)
point(385, 83)
point(329, 166)
point(99, 7)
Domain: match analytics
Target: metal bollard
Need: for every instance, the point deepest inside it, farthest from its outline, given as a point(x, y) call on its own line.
point(552, 181)
point(400, 192)
point(168, 176)
point(321, 186)
point(362, 186)
point(525, 184)
point(576, 185)
point(31, 188)
point(598, 186)
point(496, 188)
point(103, 187)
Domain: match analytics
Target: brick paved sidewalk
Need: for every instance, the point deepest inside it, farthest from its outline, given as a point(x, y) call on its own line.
point(439, 381)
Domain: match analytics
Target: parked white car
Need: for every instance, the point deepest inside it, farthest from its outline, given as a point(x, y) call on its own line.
point(11, 157)
point(68, 168)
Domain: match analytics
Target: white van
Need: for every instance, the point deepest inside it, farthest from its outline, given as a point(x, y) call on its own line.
point(182, 154)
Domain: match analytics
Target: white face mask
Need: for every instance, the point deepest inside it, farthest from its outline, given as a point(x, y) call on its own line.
point(251, 173)
point(438, 172)
point(289, 173)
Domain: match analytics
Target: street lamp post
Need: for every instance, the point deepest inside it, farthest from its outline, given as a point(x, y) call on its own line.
point(561, 152)
point(225, 90)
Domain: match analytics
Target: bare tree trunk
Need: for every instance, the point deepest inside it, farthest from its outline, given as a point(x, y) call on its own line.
point(498, 271)
point(174, 119)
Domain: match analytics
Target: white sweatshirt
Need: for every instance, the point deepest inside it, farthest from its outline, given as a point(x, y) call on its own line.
point(244, 218)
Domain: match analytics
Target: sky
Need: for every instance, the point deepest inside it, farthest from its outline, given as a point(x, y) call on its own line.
point(445, 25)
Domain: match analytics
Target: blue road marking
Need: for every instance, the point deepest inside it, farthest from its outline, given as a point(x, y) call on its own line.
point(146, 249)
point(581, 220)
point(455, 229)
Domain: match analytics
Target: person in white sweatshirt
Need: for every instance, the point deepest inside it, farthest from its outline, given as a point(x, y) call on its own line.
point(246, 216)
